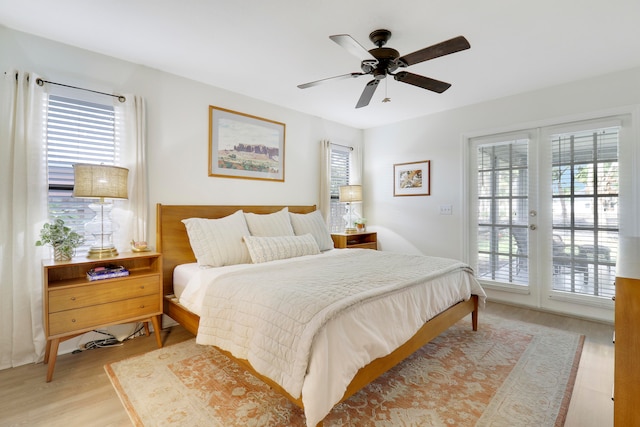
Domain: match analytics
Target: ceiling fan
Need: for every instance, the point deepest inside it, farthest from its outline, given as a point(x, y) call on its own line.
point(382, 61)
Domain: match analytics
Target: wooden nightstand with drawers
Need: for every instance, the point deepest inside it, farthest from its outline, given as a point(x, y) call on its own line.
point(362, 240)
point(74, 305)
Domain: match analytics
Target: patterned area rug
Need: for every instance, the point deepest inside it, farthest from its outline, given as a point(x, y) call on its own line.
point(505, 374)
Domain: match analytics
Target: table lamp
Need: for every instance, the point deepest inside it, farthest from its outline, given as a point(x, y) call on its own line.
point(100, 182)
point(348, 195)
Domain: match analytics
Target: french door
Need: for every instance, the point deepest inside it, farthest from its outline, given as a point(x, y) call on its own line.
point(503, 205)
point(545, 210)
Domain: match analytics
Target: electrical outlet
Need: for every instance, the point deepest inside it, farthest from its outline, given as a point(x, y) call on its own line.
point(446, 209)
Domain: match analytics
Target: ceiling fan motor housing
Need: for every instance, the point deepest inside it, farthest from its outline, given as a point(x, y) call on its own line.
point(386, 62)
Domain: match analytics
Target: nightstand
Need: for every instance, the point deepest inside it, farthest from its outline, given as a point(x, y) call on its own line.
point(74, 305)
point(363, 240)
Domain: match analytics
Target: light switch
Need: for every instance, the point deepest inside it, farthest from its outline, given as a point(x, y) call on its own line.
point(446, 209)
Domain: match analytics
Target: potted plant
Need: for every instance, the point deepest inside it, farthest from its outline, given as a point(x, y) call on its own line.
point(63, 240)
point(361, 223)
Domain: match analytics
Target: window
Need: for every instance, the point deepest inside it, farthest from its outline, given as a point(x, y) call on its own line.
point(340, 165)
point(77, 132)
point(585, 211)
point(502, 186)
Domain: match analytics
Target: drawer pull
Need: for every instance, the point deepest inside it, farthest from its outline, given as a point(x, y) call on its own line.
point(73, 298)
point(141, 305)
point(73, 320)
point(141, 287)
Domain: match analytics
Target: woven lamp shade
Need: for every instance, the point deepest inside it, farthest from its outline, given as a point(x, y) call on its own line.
point(100, 181)
point(350, 193)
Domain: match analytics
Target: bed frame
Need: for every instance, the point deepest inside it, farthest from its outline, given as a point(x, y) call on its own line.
point(172, 241)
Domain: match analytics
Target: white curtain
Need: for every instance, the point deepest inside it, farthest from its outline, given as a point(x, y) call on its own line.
point(134, 213)
point(23, 211)
point(355, 177)
point(324, 204)
point(355, 163)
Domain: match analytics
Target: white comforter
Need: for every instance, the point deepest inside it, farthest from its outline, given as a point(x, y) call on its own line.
point(297, 320)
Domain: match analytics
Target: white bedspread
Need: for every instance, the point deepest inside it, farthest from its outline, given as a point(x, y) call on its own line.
point(297, 320)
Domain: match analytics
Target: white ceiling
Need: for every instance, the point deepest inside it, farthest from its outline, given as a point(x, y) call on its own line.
point(265, 48)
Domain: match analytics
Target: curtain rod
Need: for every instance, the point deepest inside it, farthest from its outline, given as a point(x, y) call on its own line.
point(41, 82)
point(343, 146)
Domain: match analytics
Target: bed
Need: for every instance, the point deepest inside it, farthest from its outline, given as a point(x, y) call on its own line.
point(174, 243)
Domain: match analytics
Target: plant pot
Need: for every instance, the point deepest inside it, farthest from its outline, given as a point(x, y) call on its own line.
point(360, 227)
point(60, 255)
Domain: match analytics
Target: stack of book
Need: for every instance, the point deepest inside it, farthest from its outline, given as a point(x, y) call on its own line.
point(107, 272)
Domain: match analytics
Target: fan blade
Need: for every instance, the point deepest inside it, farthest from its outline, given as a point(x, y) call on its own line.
point(367, 93)
point(353, 47)
point(422, 81)
point(330, 79)
point(447, 47)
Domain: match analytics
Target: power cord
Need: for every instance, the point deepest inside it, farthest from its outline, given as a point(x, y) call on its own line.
point(109, 340)
point(136, 333)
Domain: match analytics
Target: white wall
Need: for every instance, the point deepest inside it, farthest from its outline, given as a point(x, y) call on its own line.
point(177, 125)
point(414, 223)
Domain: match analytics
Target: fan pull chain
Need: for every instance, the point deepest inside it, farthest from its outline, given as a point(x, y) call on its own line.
point(386, 84)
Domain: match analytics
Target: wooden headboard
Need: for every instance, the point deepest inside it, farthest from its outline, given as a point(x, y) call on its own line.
point(171, 235)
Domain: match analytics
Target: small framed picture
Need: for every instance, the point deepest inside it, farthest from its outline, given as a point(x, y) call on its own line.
point(245, 146)
point(412, 179)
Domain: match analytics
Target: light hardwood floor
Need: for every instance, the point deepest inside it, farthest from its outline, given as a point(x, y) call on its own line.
point(81, 394)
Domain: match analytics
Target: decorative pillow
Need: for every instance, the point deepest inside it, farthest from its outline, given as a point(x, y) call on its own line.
point(275, 224)
point(218, 242)
point(271, 248)
point(312, 223)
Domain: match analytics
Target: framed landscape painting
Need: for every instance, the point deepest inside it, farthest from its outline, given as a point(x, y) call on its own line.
point(245, 146)
point(412, 179)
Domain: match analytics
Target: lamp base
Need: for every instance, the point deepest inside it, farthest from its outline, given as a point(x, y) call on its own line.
point(350, 230)
point(102, 253)
point(102, 228)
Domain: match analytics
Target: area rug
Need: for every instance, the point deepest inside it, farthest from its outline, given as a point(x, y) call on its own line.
point(508, 373)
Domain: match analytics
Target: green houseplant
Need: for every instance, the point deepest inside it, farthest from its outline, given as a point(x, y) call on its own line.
point(63, 240)
point(361, 223)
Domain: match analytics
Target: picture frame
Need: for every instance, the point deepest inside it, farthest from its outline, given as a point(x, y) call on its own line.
point(245, 146)
point(412, 179)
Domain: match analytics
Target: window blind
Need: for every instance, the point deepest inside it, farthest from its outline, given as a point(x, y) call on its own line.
point(585, 180)
point(78, 131)
point(502, 210)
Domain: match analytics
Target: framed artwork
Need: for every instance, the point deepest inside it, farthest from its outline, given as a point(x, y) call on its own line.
point(245, 146)
point(412, 179)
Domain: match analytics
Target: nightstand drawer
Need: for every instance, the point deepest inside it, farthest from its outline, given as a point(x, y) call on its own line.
point(370, 245)
point(102, 291)
point(102, 314)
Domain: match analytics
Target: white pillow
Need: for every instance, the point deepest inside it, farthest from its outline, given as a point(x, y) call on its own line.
point(275, 224)
point(271, 248)
point(312, 223)
point(218, 242)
